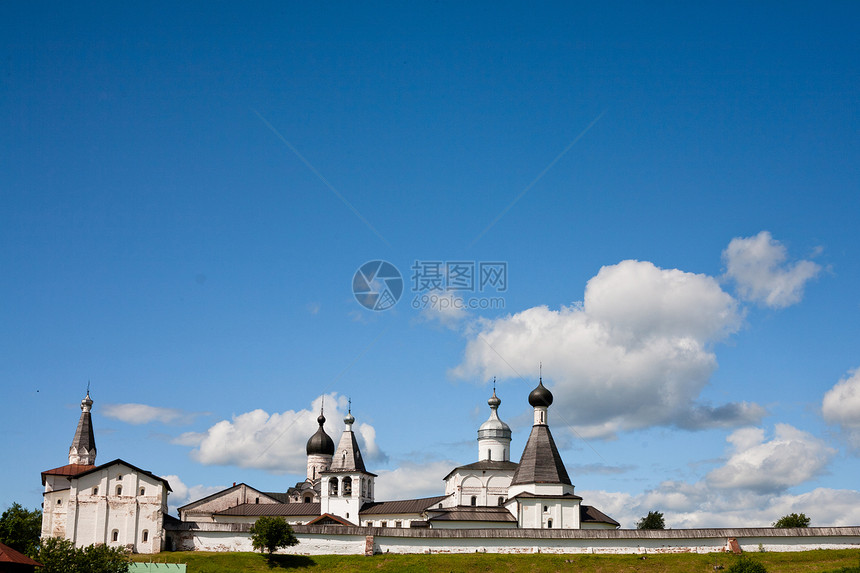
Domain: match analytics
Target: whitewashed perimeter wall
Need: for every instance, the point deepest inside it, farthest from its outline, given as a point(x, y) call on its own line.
point(326, 540)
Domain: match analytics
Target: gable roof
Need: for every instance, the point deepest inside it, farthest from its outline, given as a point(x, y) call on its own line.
point(400, 506)
point(128, 465)
point(485, 465)
point(590, 514)
point(272, 509)
point(473, 513)
point(9, 555)
point(67, 470)
point(540, 462)
point(218, 494)
point(329, 519)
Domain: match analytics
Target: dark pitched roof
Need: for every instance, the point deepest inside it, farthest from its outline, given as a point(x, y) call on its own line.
point(347, 457)
point(279, 497)
point(485, 465)
point(273, 509)
point(9, 555)
point(400, 506)
point(67, 471)
point(540, 462)
point(590, 514)
point(329, 519)
point(529, 495)
point(473, 513)
point(84, 439)
point(125, 463)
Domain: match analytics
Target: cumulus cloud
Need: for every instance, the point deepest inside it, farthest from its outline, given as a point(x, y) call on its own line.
point(138, 414)
point(413, 480)
point(749, 490)
point(758, 265)
point(444, 307)
point(276, 442)
point(635, 353)
point(696, 505)
point(841, 406)
point(790, 458)
point(183, 494)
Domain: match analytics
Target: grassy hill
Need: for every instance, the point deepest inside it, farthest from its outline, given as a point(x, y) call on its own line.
point(821, 561)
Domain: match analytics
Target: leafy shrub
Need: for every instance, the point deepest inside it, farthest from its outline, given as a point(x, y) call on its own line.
point(746, 565)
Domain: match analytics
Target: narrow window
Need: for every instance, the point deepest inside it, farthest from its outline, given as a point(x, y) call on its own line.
point(145, 536)
point(549, 524)
point(501, 501)
point(545, 508)
point(398, 524)
point(257, 500)
point(119, 477)
point(332, 486)
point(95, 491)
point(119, 490)
point(490, 455)
point(143, 491)
point(114, 536)
point(59, 502)
point(383, 524)
point(474, 500)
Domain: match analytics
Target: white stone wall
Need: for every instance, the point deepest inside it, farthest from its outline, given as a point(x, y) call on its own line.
point(322, 540)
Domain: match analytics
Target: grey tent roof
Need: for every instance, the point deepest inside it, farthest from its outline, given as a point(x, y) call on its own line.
point(347, 457)
point(540, 462)
point(85, 440)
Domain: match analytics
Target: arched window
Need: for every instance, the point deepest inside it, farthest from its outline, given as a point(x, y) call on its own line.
point(256, 500)
point(549, 524)
point(114, 536)
point(95, 490)
point(501, 501)
point(347, 486)
point(309, 498)
point(545, 508)
point(490, 455)
point(145, 536)
point(119, 490)
point(474, 500)
point(332, 486)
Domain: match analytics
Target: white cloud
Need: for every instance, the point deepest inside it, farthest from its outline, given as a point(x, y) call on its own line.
point(761, 274)
point(635, 353)
point(183, 494)
point(790, 458)
point(750, 490)
point(413, 480)
point(143, 414)
point(841, 406)
point(696, 505)
point(276, 442)
point(446, 308)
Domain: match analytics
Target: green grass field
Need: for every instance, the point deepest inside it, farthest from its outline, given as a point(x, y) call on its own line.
point(821, 561)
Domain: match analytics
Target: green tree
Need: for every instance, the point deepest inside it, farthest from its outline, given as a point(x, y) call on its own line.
point(270, 533)
point(61, 556)
point(654, 520)
point(792, 520)
point(20, 528)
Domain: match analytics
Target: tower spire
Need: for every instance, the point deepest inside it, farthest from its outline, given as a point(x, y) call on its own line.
point(83, 448)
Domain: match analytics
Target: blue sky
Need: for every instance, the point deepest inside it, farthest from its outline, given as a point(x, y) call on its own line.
point(188, 190)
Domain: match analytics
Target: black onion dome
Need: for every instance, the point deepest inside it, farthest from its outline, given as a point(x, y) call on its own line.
point(320, 443)
point(540, 396)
